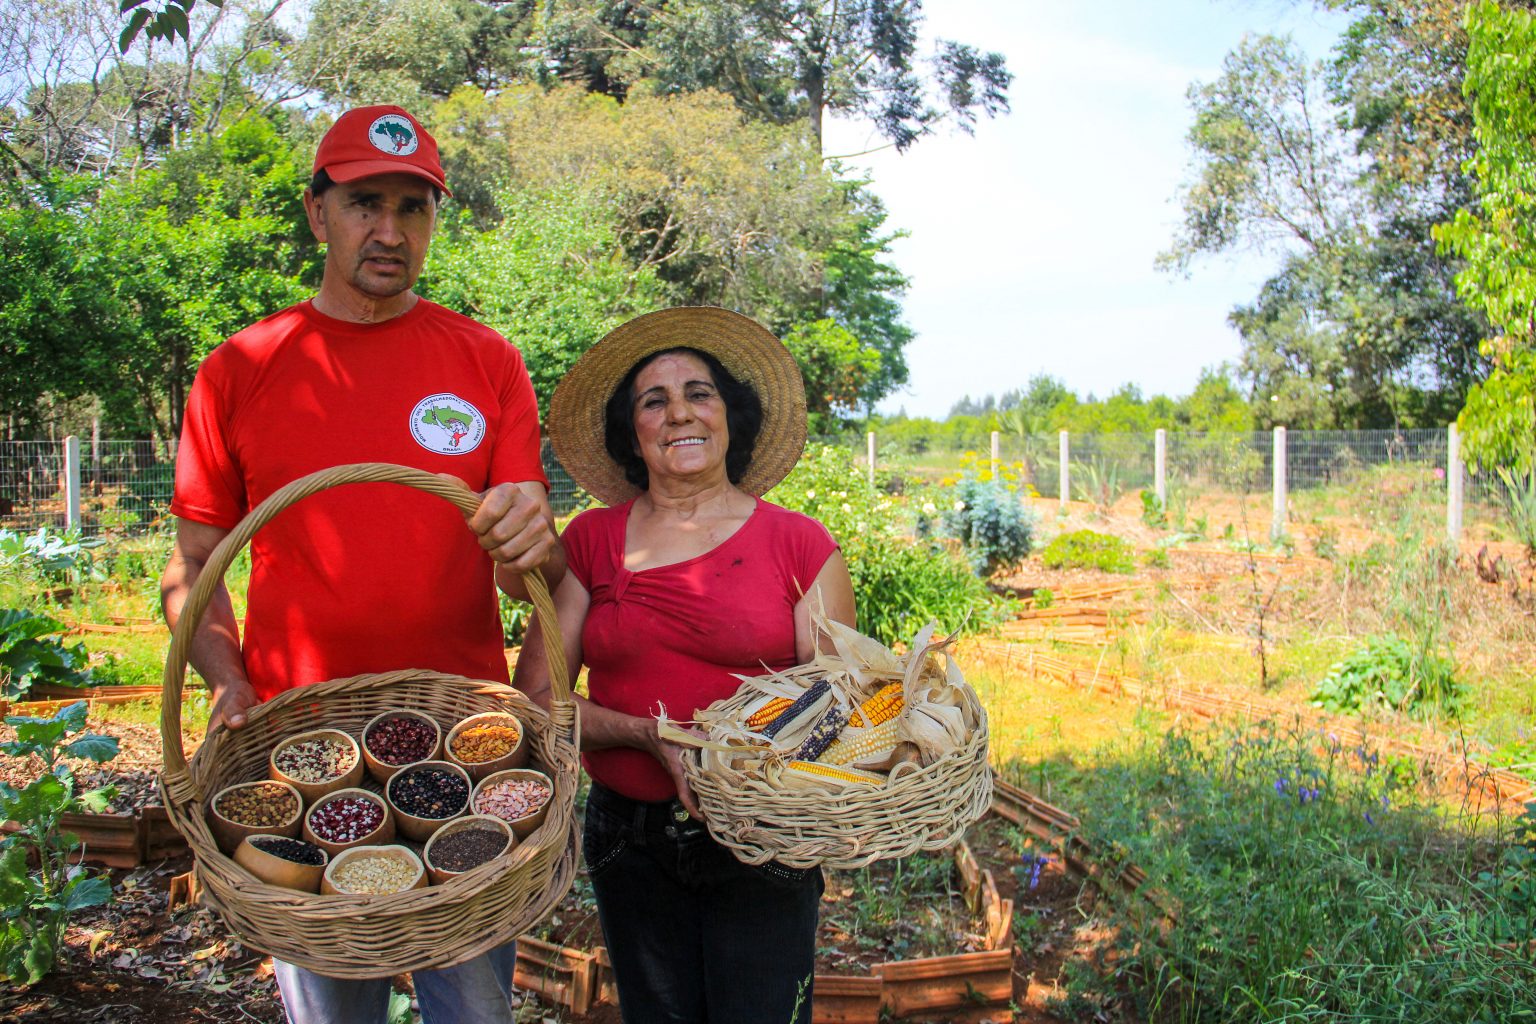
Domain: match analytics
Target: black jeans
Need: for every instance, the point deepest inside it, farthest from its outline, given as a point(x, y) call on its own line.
point(696, 936)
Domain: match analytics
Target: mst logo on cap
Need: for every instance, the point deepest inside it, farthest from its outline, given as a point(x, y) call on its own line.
point(379, 140)
point(393, 134)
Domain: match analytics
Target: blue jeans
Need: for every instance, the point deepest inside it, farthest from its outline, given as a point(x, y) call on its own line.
point(696, 936)
point(477, 991)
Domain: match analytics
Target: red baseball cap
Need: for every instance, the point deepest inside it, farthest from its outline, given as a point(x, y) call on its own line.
point(379, 140)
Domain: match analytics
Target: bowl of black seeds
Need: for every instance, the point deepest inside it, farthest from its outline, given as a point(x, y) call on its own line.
point(425, 795)
point(280, 861)
point(464, 844)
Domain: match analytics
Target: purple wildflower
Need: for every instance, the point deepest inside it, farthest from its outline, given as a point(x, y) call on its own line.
point(1280, 785)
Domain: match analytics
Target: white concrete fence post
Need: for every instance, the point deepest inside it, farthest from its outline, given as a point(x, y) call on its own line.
point(869, 444)
point(1277, 511)
point(1455, 483)
point(72, 481)
point(1063, 475)
point(1160, 467)
point(994, 455)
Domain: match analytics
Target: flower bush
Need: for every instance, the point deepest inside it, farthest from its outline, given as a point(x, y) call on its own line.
point(899, 582)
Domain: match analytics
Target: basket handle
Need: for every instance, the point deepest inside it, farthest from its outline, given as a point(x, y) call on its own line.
point(562, 708)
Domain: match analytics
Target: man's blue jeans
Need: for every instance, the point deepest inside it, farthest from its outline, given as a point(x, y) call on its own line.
point(477, 991)
point(696, 936)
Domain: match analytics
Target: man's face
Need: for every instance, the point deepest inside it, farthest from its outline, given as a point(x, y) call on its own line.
point(376, 230)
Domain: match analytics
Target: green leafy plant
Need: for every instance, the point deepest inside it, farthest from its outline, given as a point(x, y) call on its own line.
point(35, 904)
point(1387, 671)
point(1043, 597)
point(48, 555)
point(1152, 511)
point(30, 652)
point(992, 524)
point(1089, 549)
point(1097, 482)
point(1520, 505)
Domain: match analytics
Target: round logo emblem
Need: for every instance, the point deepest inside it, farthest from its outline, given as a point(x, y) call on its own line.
point(447, 424)
point(393, 134)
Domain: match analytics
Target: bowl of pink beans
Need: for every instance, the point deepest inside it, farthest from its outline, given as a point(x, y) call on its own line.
point(518, 796)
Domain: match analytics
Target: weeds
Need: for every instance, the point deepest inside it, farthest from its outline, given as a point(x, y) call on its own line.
point(1312, 883)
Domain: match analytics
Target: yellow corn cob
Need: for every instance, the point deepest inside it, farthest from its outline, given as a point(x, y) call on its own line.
point(883, 706)
point(804, 771)
point(855, 745)
point(768, 712)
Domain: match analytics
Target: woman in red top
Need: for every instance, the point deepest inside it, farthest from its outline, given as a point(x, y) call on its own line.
point(678, 420)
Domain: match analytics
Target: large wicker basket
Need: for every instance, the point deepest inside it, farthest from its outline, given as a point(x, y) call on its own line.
point(925, 808)
point(371, 936)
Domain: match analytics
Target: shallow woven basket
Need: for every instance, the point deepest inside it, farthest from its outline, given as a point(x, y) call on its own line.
point(848, 826)
point(370, 936)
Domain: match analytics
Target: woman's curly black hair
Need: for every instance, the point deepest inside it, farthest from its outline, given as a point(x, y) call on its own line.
point(743, 418)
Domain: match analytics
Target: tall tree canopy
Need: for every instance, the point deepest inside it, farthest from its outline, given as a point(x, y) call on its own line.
point(1341, 168)
point(1497, 237)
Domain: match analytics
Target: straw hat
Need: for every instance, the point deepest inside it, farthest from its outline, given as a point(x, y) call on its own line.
point(743, 346)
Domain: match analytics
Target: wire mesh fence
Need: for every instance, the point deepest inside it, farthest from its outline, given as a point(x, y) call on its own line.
point(126, 486)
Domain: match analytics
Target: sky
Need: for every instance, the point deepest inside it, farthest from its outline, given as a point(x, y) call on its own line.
point(1031, 244)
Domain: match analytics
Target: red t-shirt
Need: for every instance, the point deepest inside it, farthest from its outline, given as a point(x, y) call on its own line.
point(363, 577)
point(676, 634)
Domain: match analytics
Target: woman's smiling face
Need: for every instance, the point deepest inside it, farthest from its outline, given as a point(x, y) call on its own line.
point(679, 418)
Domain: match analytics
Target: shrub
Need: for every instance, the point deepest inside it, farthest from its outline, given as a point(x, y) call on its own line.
point(30, 652)
point(899, 584)
point(1387, 672)
point(1089, 549)
point(1152, 511)
point(992, 524)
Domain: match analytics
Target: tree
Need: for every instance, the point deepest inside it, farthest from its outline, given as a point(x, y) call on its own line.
point(793, 61)
point(837, 368)
point(1497, 237)
point(1340, 168)
point(548, 276)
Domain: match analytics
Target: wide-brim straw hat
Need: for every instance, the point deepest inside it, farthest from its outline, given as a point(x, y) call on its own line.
point(744, 347)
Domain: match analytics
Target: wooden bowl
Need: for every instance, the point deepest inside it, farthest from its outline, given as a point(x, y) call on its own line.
point(517, 757)
point(523, 827)
point(312, 791)
point(252, 855)
point(327, 882)
point(228, 832)
point(382, 770)
point(485, 822)
point(383, 834)
point(414, 826)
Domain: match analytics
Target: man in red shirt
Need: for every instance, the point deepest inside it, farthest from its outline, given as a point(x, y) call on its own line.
point(365, 577)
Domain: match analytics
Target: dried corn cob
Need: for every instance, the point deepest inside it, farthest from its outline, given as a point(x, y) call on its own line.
point(768, 712)
point(802, 703)
point(868, 748)
point(882, 707)
point(815, 771)
point(822, 734)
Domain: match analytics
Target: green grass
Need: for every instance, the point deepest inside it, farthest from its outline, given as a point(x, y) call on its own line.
point(1311, 883)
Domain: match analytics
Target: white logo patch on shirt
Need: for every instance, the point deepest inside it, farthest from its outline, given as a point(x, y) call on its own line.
point(446, 424)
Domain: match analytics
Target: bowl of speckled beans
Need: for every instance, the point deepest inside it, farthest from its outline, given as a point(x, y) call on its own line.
point(518, 796)
point(253, 808)
point(425, 795)
point(317, 762)
point(347, 818)
point(281, 861)
point(373, 871)
point(487, 743)
point(464, 844)
point(395, 739)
